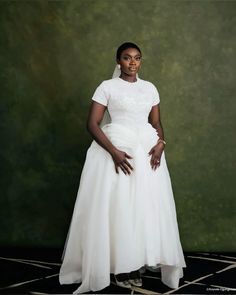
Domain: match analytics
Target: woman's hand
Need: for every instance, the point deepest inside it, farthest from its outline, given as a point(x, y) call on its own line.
point(120, 160)
point(155, 154)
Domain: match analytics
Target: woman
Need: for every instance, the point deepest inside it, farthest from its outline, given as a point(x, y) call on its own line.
point(124, 216)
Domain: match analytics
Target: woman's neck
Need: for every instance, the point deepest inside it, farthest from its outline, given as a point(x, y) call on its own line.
point(128, 78)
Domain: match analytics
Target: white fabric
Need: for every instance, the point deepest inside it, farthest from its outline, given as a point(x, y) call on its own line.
point(123, 222)
point(116, 72)
point(106, 117)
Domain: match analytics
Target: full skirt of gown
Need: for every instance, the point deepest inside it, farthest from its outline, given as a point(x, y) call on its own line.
point(122, 222)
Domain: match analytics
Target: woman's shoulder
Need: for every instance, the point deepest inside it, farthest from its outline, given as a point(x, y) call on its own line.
point(109, 81)
point(147, 83)
point(108, 84)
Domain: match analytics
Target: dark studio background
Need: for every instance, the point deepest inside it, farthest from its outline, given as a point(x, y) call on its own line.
point(53, 54)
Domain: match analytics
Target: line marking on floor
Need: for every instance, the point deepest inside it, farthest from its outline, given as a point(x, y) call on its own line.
point(20, 261)
point(27, 282)
point(212, 259)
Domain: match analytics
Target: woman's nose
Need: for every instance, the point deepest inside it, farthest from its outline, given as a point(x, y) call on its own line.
point(132, 61)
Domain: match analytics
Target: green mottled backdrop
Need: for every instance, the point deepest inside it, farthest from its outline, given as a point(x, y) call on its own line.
point(53, 54)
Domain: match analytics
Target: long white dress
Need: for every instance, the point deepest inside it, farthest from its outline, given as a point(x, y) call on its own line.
point(123, 222)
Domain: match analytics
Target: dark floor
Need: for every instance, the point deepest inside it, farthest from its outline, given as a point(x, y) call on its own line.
point(35, 271)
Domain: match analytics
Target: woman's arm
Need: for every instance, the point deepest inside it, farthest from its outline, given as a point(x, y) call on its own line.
point(155, 120)
point(96, 114)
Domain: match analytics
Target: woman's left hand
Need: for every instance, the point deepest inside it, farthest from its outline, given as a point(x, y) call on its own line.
point(155, 154)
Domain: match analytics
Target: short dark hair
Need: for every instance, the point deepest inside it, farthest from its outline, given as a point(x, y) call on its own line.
point(125, 46)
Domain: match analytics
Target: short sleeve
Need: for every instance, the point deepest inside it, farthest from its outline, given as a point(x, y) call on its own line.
point(100, 95)
point(155, 96)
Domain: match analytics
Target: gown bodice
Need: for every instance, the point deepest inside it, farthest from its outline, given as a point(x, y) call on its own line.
point(128, 103)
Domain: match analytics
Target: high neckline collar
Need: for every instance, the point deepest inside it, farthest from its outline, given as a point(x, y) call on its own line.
point(137, 79)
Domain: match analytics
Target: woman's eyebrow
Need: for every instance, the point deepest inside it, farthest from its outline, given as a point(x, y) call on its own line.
point(126, 54)
point(133, 55)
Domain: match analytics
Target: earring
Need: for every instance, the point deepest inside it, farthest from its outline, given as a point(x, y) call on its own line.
point(118, 66)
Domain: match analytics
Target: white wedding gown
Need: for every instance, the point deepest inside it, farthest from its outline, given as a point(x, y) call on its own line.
point(123, 222)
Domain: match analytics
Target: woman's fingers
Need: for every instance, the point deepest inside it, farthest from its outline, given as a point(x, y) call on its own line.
point(116, 167)
point(128, 156)
point(124, 170)
point(154, 159)
point(127, 163)
point(155, 154)
point(151, 151)
point(120, 161)
point(155, 162)
point(126, 166)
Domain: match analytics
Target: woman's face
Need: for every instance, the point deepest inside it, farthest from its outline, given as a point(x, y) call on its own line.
point(130, 61)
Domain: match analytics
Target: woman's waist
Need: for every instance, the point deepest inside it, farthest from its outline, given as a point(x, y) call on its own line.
point(131, 123)
point(123, 133)
point(129, 126)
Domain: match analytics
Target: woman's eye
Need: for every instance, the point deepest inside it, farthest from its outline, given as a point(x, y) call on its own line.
point(129, 58)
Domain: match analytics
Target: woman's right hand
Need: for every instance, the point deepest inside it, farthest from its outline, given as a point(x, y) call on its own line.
point(120, 161)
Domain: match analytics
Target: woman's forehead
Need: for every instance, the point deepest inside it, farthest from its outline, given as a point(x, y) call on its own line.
point(131, 52)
